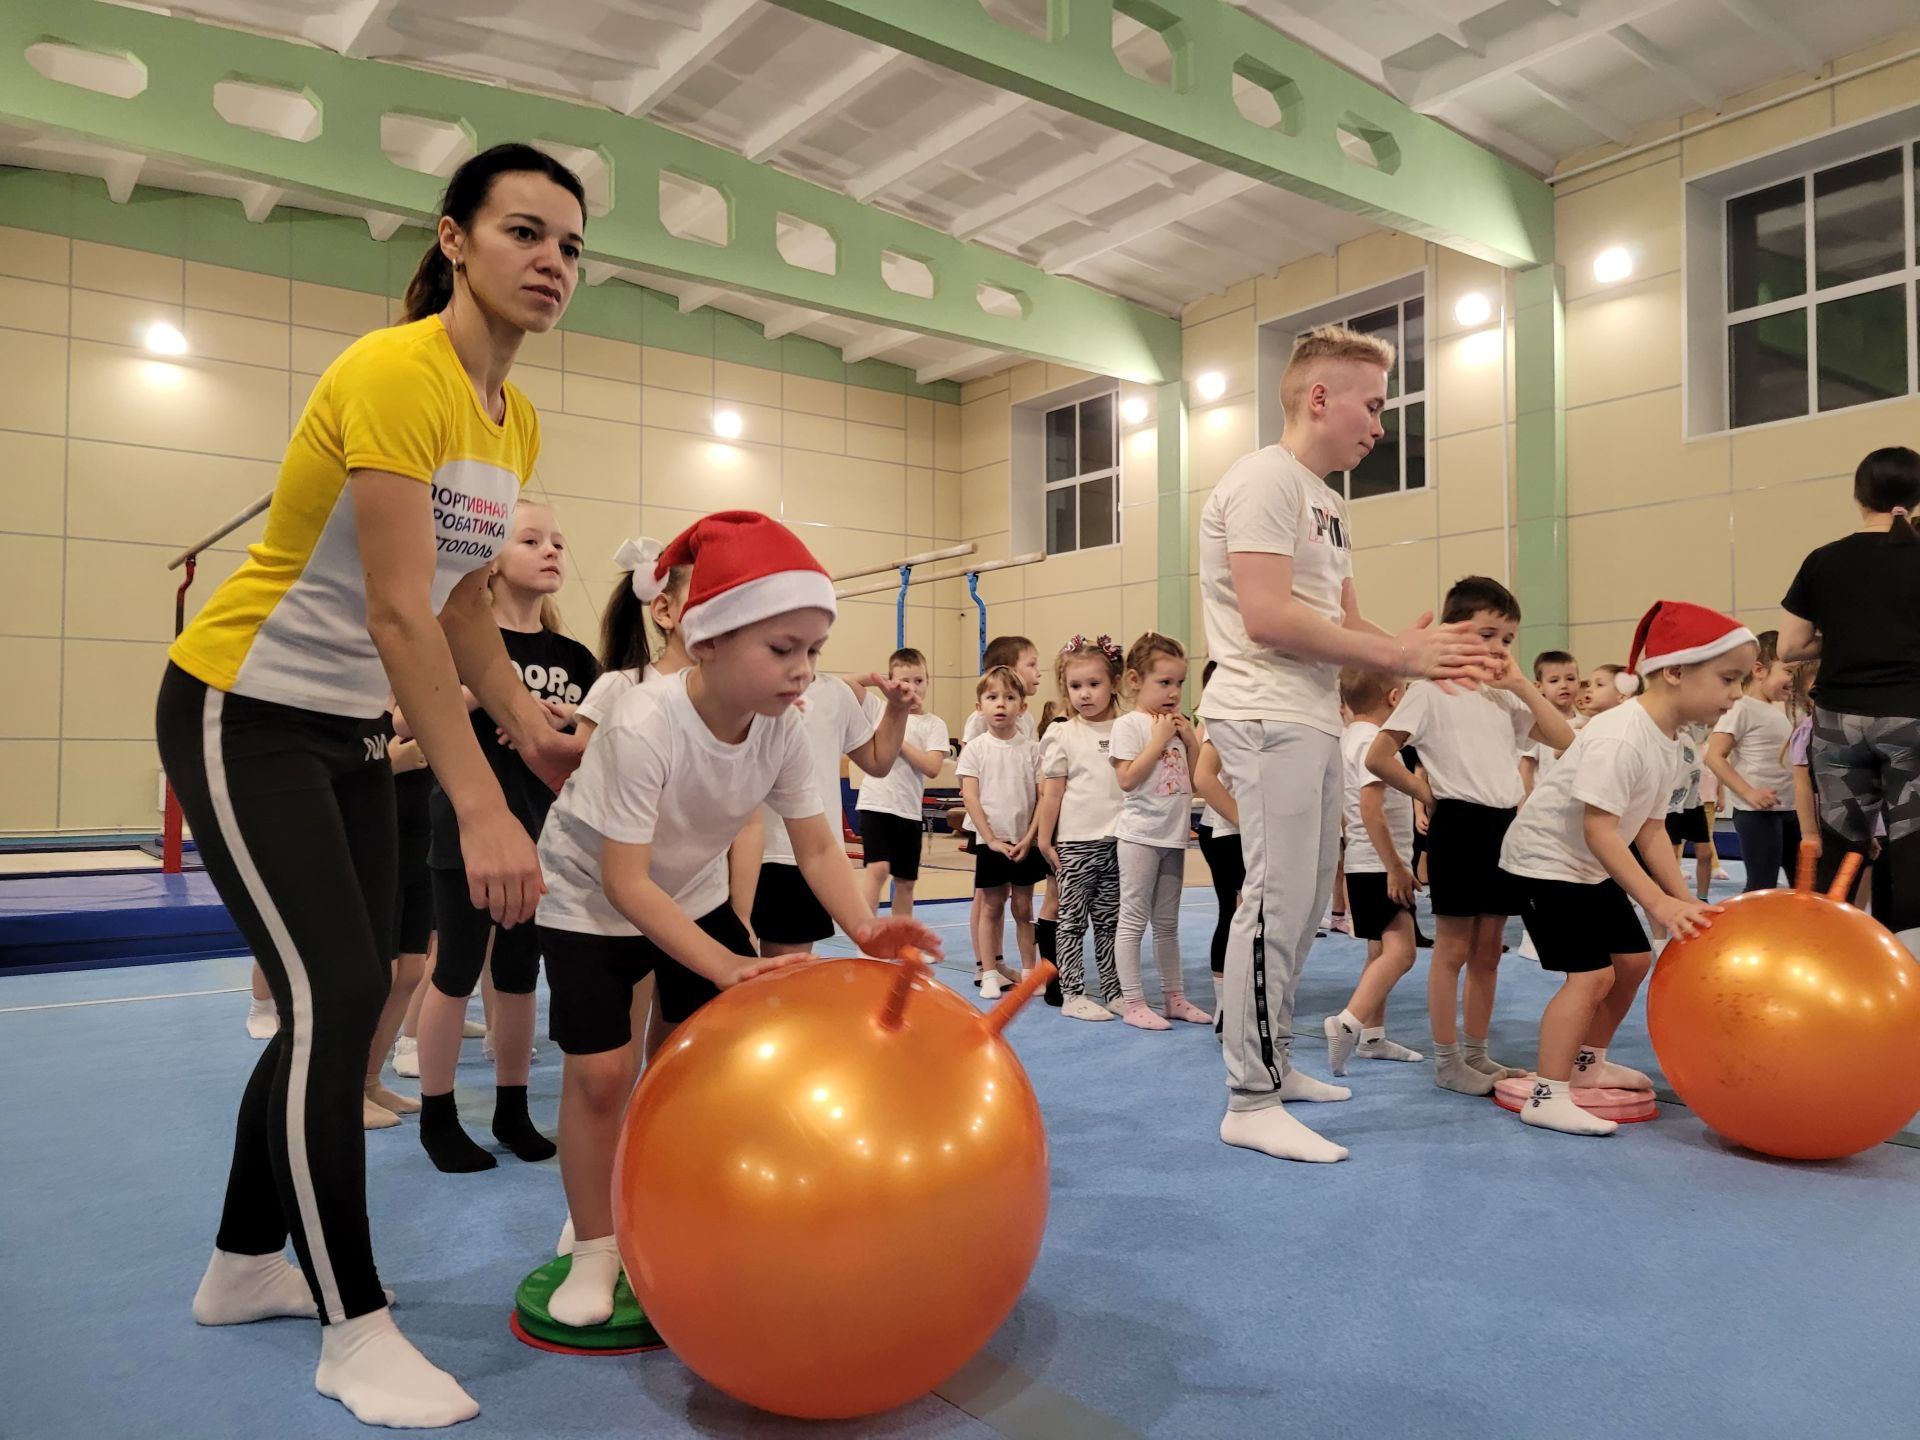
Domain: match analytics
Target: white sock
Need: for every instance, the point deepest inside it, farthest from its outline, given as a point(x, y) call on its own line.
point(564, 1245)
point(1452, 1072)
point(1343, 1033)
point(1374, 1045)
point(263, 1021)
point(1296, 1085)
point(1274, 1132)
point(239, 1289)
point(1551, 1107)
point(375, 1371)
point(990, 985)
point(1593, 1068)
point(585, 1297)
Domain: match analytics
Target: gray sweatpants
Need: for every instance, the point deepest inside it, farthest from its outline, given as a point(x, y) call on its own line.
point(1285, 778)
point(1151, 877)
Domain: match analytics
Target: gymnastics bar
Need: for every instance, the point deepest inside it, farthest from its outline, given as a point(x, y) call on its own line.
point(952, 552)
point(172, 826)
point(959, 573)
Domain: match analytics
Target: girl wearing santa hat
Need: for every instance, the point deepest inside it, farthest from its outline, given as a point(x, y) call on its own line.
point(1568, 850)
point(634, 850)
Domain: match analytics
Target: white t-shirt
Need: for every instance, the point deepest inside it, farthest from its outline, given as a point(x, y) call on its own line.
point(1269, 503)
point(900, 791)
point(1469, 741)
point(654, 769)
point(1159, 810)
point(1076, 751)
point(1009, 776)
point(1691, 742)
point(1760, 733)
point(1362, 857)
point(601, 696)
point(976, 726)
point(834, 722)
point(1621, 763)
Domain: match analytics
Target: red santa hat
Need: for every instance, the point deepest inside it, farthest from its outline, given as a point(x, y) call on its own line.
point(747, 568)
point(1675, 632)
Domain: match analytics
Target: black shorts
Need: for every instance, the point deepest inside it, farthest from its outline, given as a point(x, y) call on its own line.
point(893, 841)
point(1579, 928)
point(1369, 906)
point(1684, 826)
point(991, 869)
point(785, 910)
point(1463, 860)
point(470, 941)
point(592, 979)
point(413, 914)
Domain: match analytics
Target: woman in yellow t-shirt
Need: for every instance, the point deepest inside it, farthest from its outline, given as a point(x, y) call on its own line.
point(395, 494)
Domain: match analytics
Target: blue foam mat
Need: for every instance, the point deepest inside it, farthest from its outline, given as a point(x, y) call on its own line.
point(76, 921)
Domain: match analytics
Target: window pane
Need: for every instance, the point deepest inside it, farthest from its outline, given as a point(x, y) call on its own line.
point(1767, 368)
point(1386, 324)
point(1863, 347)
point(1858, 226)
point(1096, 434)
point(1767, 245)
point(1379, 473)
point(1416, 446)
point(1062, 526)
point(1414, 363)
point(1099, 512)
point(1060, 453)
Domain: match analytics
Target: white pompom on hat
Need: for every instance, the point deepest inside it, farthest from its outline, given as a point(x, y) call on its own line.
point(1678, 632)
point(747, 567)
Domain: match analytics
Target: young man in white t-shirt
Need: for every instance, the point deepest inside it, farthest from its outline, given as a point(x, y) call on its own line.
point(1282, 617)
point(1469, 746)
point(892, 823)
point(1569, 858)
point(787, 917)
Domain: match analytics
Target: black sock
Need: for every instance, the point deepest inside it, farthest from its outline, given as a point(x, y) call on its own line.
point(513, 1127)
point(451, 1149)
point(1044, 932)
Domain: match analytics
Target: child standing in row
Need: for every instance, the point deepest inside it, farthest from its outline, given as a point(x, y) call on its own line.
point(1557, 676)
point(999, 774)
point(633, 852)
point(1079, 805)
point(1152, 753)
point(1018, 654)
point(1380, 882)
point(1747, 753)
point(891, 820)
point(1569, 859)
point(1470, 744)
point(1219, 835)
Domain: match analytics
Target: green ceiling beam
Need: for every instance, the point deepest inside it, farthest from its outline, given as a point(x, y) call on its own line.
point(174, 118)
point(1423, 178)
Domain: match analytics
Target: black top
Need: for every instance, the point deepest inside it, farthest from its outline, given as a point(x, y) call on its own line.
point(552, 667)
point(1862, 593)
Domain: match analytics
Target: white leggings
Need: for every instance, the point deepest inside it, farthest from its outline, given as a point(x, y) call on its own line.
point(1151, 878)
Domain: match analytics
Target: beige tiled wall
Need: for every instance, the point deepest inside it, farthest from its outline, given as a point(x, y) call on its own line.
point(113, 460)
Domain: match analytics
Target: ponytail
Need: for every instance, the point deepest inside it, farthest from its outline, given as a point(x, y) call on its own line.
point(1887, 482)
point(431, 289)
point(1901, 531)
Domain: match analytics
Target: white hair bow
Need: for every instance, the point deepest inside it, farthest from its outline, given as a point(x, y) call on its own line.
point(642, 557)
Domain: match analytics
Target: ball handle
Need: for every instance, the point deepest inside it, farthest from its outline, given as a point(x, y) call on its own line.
point(1022, 992)
point(912, 967)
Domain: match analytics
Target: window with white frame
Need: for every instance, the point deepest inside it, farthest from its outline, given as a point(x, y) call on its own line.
point(1398, 460)
point(1082, 474)
point(1822, 289)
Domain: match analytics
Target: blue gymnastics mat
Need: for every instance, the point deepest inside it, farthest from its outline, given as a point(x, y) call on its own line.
point(70, 922)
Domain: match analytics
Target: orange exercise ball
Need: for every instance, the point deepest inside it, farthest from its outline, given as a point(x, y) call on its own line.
point(831, 1186)
point(1791, 1025)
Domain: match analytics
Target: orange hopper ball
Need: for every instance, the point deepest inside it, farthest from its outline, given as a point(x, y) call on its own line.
point(831, 1186)
point(1792, 1025)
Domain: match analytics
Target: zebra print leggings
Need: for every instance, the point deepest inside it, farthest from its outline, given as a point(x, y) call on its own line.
point(1089, 894)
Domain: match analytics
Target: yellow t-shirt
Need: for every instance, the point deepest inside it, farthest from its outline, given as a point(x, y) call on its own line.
point(290, 625)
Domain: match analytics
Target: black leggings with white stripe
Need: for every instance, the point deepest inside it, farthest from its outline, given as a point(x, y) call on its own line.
point(293, 813)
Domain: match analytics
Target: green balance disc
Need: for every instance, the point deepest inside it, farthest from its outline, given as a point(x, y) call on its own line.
point(627, 1331)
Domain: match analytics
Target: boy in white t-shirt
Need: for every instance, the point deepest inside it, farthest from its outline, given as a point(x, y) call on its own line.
point(1469, 746)
point(630, 848)
point(1747, 752)
point(1380, 881)
point(1018, 654)
point(1557, 676)
point(788, 919)
point(1568, 854)
point(892, 820)
point(999, 774)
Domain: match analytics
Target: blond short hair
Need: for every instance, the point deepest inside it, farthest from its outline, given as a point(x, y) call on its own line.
point(1324, 345)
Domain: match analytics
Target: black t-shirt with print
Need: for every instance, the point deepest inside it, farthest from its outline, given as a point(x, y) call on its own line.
point(552, 667)
point(1862, 593)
